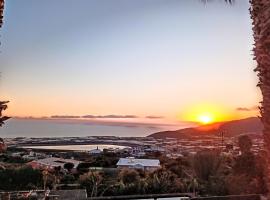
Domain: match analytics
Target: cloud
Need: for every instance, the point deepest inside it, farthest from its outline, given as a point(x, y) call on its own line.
point(89, 116)
point(242, 109)
point(247, 109)
point(154, 117)
point(64, 116)
point(110, 116)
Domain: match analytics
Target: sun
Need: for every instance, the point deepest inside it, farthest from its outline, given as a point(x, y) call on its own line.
point(206, 113)
point(205, 118)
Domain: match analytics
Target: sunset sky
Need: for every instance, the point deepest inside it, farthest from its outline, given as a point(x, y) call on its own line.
point(175, 59)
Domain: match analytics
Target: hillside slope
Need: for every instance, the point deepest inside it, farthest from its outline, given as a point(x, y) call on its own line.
point(231, 129)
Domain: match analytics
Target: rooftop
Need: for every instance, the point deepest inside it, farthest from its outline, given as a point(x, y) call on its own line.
point(134, 161)
point(55, 162)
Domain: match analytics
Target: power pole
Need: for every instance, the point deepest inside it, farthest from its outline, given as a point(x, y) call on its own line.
point(222, 134)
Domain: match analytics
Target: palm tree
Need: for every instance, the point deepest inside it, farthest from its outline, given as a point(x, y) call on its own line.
point(260, 15)
point(1, 12)
point(3, 106)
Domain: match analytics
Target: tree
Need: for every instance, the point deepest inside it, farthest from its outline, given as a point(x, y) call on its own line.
point(3, 106)
point(130, 182)
point(3, 146)
point(83, 167)
point(129, 176)
point(93, 182)
point(20, 179)
point(1, 12)
point(68, 179)
point(247, 172)
point(245, 144)
point(246, 162)
point(207, 163)
point(68, 166)
point(56, 174)
point(260, 15)
point(163, 181)
point(210, 169)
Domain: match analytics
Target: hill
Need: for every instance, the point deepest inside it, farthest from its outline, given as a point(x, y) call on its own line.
point(230, 128)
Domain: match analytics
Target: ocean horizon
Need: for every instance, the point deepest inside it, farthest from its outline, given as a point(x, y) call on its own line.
point(79, 128)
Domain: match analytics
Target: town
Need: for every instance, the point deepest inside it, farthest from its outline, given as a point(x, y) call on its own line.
point(140, 146)
point(71, 169)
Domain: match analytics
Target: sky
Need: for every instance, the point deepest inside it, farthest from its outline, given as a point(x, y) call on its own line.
point(157, 59)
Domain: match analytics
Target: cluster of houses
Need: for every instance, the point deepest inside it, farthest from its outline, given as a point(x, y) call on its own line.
point(135, 157)
point(141, 151)
point(39, 160)
point(130, 163)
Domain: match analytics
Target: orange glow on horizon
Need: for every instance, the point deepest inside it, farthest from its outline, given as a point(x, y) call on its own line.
point(207, 114)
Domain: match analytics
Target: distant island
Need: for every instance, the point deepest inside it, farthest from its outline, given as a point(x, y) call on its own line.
point(233, 128)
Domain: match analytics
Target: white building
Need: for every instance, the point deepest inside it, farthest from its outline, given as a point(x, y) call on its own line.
point(133, 163)
point(96, 151)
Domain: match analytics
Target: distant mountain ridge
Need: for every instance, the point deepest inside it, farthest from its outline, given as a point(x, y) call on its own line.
point(230, 128)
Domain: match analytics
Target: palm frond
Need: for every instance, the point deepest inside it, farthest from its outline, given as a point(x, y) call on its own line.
point(3, 119)
point(1, 12)
point(227, 1)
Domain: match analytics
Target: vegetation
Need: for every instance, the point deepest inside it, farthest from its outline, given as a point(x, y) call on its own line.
point(260, 15)
point(23, 178)
point(3, 106)
point(68, 166)
point(68, 179)
point(1, 12)
point(10, 159)
point(247, 170)
point(93, 182)
point(207, 173)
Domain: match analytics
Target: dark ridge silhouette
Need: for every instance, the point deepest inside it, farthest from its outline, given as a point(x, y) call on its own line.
point(231, 129)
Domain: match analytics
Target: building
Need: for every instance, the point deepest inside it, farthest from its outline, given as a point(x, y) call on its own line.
point(133, 163)
point(96, 151)
point(52, 162)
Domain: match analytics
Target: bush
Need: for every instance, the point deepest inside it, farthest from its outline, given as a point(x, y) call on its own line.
point(20, 179)
point(68, 179)
point(129, 176)
point(68, 166)
point(83, 167)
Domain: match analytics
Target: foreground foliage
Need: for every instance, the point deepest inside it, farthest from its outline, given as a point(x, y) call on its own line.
point(206, 173)
point(24, 178)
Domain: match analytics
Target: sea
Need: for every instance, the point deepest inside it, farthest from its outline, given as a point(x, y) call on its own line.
point(38, 128)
